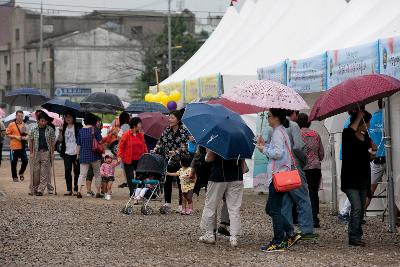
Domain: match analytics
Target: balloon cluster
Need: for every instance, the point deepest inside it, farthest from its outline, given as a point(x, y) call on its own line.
point(168, 101)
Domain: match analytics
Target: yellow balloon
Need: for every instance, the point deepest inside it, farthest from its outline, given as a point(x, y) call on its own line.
point(175, 95)
point(165, 99)
point(161, 93)
point(148, 97)
point(156, 98)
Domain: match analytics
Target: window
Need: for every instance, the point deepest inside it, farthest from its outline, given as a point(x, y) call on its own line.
point(5, 60)
point(137, 30)
point(30, 73)
point(18, 73)
point(16, 34)
point(8, 77)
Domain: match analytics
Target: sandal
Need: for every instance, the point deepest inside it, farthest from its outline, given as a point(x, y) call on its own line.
point(68, 194)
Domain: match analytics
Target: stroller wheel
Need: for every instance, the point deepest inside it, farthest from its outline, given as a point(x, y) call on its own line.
point(165, 209)
point(146, 210)
point(127, 210)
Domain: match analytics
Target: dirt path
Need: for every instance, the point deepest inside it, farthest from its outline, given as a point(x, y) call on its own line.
point(60, 230)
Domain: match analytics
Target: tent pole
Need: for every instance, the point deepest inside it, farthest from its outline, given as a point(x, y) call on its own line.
point(389, 170)
point(334, 175)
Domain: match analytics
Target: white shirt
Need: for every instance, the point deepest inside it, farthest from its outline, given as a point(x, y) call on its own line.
point(70, 141)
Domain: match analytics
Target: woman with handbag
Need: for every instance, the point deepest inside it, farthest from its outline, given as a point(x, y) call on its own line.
point(89, 152)
point(279, 161)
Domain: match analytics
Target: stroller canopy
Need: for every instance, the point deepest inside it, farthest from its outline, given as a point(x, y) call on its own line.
point(152, 163)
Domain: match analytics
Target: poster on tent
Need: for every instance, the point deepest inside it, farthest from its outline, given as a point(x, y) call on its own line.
point(153, 89)
point(389, 52)
point(276, 73)
point(210, 86)
point(350, 62)
point(308, 75)
point(260, 160)
point(192, 91)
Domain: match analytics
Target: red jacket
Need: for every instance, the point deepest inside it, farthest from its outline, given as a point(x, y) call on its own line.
point(131, 147)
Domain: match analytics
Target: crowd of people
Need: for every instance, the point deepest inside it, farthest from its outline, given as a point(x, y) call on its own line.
point(291, 144)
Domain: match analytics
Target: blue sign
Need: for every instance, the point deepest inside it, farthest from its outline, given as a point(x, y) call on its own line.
point(351, 62)
point(308, 75)
point(389, 53)
point(276, 73)
point(66, 91)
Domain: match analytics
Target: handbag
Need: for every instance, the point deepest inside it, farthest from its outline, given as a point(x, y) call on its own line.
point(285, 181)
point(96, 146)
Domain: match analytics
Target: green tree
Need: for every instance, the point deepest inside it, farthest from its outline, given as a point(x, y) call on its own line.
point(155, 54)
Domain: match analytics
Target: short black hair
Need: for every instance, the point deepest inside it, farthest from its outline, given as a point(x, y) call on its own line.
point(302, 121)
point(290, 112)
point(107, 156)
point(43, 116)
point(19, 111)
point(281, 115)
point(186, 161)
point(367, 117)
point(90, 119)
point(134, 122)
point(124, 118)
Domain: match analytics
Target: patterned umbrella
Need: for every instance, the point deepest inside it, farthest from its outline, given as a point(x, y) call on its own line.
point(138, 107)
point(239, 108)
point(266, 94)
point(353, 93)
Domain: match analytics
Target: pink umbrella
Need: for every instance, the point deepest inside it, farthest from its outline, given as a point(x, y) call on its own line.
point(266, 94)
point(57, 121)
point(239, 108)
point(353, 93)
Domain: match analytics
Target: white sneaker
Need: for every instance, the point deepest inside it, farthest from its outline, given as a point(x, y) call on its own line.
point(107, 197)
point(208, 238)
point(179, 209)
point(234, 241)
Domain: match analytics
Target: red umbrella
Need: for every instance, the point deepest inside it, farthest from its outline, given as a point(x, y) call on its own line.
point(353, 93)
point(236, 107)
point(153, 123)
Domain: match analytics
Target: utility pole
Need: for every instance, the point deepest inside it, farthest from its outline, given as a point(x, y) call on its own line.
point(169, 40)
point(40, 64)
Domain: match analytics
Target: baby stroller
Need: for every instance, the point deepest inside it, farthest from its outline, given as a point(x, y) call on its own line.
point(148, 165)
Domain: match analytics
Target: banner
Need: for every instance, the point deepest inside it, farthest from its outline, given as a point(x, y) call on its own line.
point(308, 75)
point(389, 53)
point(276, 73)
point(260, 160)
point(210, 86)
point(351, 62)
point(192, 90)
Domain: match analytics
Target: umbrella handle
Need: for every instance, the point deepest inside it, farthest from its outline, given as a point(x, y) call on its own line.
point(262, 122)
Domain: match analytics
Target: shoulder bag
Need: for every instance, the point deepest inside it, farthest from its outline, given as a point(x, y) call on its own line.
point(96, 146)
point(285, 181)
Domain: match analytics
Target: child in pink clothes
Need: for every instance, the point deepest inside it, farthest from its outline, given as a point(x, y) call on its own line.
point(107, 171)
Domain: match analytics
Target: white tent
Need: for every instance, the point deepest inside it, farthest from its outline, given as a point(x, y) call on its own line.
point(266, 32)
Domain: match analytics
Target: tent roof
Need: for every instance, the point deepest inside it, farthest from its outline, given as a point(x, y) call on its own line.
point(268, 31)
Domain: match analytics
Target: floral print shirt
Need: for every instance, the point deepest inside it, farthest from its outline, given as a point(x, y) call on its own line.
point(171, 141)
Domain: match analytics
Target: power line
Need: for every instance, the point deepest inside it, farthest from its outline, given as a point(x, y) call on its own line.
point(109, 8)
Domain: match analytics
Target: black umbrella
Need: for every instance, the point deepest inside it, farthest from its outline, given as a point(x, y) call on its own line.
point(101, 102)
point(26, 97)
point(138, 107)
point(62, 106)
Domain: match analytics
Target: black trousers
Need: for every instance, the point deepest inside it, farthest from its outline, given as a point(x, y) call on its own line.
point(168, 184)
point(19, 154)
point(1, 152)
point(130, 175)
point(71, 164)
point(313, 180)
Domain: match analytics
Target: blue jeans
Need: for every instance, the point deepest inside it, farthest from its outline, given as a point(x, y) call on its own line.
point(357, 199)
point(301, 198)
point(282, 228)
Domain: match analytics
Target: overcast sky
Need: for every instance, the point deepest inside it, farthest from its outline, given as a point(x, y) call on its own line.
point(88, 5)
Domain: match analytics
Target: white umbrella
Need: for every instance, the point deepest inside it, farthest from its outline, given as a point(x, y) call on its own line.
point(12, 116)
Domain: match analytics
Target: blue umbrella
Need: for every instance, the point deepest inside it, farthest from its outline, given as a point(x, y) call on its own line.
point(219, 129)
point(138, 107)
point(62, 106)
point(26, 97)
